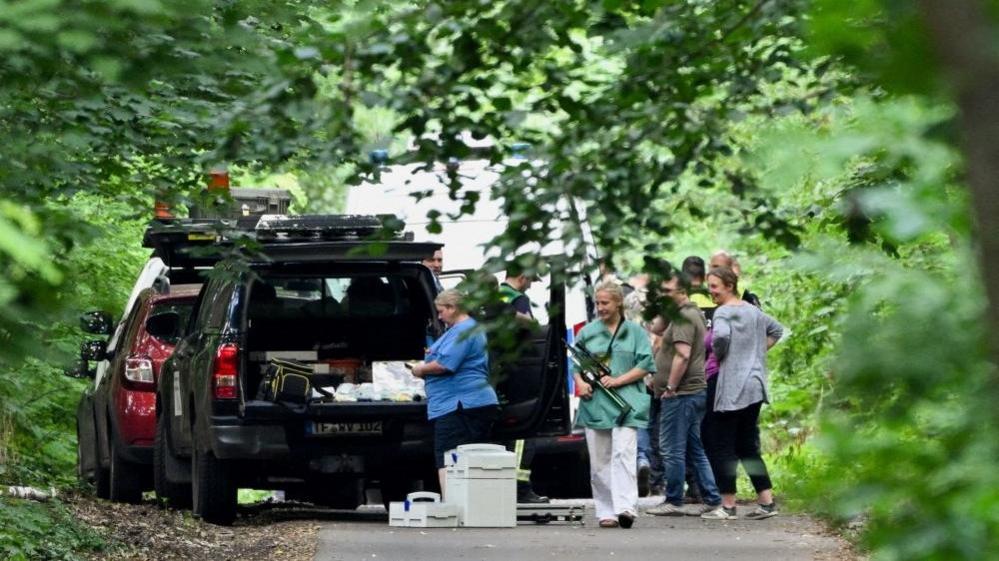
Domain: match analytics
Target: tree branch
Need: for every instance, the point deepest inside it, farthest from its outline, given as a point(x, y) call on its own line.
point(728, 32)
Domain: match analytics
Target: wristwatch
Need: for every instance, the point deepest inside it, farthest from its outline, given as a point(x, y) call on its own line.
point(670, 389)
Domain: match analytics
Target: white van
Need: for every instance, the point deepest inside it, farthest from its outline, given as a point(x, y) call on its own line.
point(561, 466)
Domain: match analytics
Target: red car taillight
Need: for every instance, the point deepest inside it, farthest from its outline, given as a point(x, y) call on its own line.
point(225, 371)
point(139, 372)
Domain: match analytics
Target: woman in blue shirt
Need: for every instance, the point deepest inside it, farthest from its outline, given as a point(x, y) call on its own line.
point(460, 401)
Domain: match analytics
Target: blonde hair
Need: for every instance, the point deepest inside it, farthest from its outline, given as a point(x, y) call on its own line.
point(451, 297)
point(611, 288)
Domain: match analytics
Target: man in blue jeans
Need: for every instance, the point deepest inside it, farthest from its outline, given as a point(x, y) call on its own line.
point(679, 383)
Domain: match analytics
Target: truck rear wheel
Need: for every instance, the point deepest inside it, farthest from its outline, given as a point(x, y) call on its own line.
point(213, 488)
point(177, 495)
point(102, 478)
point(125, 485)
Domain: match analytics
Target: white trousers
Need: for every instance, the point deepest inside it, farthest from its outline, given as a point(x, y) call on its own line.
point(613, 476)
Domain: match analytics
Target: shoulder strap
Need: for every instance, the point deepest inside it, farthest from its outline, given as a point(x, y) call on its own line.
point(617, 329)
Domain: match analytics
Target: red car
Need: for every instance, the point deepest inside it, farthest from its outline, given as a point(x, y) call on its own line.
point(116, 417)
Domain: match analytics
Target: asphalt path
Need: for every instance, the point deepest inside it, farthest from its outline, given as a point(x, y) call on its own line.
point(368, 537)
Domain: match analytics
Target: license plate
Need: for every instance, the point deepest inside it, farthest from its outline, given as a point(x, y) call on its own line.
point(360, 427)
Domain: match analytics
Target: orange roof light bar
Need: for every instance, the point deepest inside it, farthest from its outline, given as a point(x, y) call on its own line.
point(161, 211)
point(218, 180)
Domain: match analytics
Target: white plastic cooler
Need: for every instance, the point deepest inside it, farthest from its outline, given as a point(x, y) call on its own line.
point(423, 510)
point(481, 480)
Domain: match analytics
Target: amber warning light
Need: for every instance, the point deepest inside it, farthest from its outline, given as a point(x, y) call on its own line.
point(218, 180)
point(161, 211)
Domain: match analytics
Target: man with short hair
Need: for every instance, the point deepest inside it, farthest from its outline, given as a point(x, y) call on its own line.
point(679, 382)
point(436, 264)
point(693, 267)
point(512, 292)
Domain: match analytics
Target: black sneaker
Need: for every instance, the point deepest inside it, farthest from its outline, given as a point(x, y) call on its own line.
point(763, 511)
point(626, 520)
point(644, 472)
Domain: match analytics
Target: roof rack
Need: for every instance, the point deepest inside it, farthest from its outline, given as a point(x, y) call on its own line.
point(189, 242)
point(278, 227)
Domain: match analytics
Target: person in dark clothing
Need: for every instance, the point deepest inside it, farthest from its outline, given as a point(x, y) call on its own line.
point(435, 263)
point(693, 267)
point(512, 294)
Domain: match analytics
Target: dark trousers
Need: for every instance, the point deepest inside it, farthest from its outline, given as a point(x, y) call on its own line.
point(734, 437)
point(527, 452)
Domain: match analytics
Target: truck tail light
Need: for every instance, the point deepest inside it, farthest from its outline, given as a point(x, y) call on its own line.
point(139, 371)
point(225, 371)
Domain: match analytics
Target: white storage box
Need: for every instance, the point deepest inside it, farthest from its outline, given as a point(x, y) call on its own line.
point(423, 510)
point(481, 481)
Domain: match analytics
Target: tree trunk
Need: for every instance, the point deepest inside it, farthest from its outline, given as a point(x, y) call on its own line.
point(962, 34)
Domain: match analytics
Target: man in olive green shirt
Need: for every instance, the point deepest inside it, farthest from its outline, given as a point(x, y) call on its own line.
point(679, 382)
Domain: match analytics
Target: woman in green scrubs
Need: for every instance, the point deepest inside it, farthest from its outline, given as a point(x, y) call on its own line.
point(624, 347)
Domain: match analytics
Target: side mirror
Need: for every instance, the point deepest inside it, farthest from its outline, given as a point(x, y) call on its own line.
point(93, 350)
point(98, 323)
point(80, 370)
point(164, 326)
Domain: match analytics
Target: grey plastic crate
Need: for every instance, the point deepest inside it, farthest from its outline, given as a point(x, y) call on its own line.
point(250, 202)
point(261, 201)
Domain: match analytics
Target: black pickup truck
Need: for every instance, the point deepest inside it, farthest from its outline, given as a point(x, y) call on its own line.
point(329, 289)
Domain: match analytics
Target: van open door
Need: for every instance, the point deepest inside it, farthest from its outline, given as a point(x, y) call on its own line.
point(530, 378)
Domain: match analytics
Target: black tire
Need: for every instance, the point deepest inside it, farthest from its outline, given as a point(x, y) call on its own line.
point(395, 490)
point(176, 495)
point(213, 488)
point(124, 478)
point(102, 479)
point(340, 493)
point(79, 460)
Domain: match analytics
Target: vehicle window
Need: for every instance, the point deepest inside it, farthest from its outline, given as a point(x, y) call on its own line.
point(181, 308)
point(362, 295)
point(217, 305)
point(133, 321)
point(203, 307)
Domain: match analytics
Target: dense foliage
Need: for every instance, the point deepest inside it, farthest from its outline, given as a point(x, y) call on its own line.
point(679, 126)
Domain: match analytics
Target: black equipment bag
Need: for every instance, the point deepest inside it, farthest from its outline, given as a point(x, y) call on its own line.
point(287, 382)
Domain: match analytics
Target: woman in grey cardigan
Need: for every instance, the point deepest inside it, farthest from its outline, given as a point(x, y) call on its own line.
point(742, 336)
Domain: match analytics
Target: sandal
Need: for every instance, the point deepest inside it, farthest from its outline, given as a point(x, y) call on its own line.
point(608, 523)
